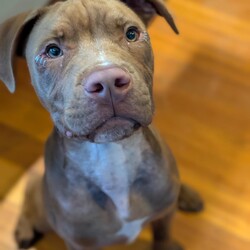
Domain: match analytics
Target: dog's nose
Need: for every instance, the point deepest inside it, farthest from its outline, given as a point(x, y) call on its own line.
point(110, 84)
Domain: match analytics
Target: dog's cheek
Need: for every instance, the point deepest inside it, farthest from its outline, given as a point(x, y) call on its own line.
point(141, 51)
point(142, 93)
point(45, 78)
point(143, 76)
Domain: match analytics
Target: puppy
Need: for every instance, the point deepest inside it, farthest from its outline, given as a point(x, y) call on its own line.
point(107, 172)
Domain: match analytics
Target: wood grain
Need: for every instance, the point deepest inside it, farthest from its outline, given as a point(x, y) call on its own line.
point(202, 96)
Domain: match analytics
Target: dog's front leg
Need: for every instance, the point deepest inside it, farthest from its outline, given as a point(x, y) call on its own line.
point(32, 223)
point(161, 234)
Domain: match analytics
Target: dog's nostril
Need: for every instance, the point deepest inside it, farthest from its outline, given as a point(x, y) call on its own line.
point(121, 82)
point(98, 88)
point(95, 88)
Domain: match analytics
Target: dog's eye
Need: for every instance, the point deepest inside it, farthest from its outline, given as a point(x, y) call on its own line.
point(53, 51)
point(132, 34)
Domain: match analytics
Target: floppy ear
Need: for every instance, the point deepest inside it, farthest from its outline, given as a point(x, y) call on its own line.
point(13, 35)
point(147, 10)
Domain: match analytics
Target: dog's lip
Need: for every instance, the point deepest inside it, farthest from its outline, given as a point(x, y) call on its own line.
point(112, 126)
point(115, 120)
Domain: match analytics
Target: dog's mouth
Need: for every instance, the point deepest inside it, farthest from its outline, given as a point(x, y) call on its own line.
point(113, 129)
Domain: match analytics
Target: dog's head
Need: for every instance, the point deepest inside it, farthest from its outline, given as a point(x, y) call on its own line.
point(90, 62)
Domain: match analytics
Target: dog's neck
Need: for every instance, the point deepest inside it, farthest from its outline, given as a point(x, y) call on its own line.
point(78, 151)
point(84, 154)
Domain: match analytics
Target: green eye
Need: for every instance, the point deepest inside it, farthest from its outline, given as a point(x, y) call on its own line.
point(132, 34)
point(53, 51)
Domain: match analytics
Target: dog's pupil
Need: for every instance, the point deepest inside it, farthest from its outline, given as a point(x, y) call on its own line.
point(54, 51)
point(131, 34)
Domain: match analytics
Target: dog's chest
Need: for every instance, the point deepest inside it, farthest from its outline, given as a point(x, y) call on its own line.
point(114, 174)
point(110, 172)
point(114, 171)
point(113, 189)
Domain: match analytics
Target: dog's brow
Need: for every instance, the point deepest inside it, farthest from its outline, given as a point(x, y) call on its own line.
point(62, 34)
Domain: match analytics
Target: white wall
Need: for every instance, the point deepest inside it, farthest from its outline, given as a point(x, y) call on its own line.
point(10, 8)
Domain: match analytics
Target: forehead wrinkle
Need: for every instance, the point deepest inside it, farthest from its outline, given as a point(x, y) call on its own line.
point(72, 21)
point(88, 19)
point(113, 19)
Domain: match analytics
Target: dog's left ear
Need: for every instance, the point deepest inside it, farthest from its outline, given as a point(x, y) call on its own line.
point(14, 33)
point(147, 10)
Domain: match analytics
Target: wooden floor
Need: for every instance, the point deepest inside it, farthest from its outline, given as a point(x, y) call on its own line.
point(202, 96)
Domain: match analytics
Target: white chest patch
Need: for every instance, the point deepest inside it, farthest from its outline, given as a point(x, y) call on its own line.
point(131, 229)
point(113, 167)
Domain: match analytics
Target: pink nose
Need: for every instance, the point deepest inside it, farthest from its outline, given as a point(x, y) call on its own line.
point(106, 85)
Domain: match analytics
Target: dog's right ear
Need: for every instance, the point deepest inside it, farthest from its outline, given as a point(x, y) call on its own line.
point(14, 33)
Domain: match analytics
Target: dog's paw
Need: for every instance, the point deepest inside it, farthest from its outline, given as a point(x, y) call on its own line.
point(164, 246)
point(25, 234)
point(189, 200)
point(26, 242)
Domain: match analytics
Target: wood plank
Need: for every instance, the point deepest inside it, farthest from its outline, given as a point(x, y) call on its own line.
point(202, 105)
point(202, 91)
